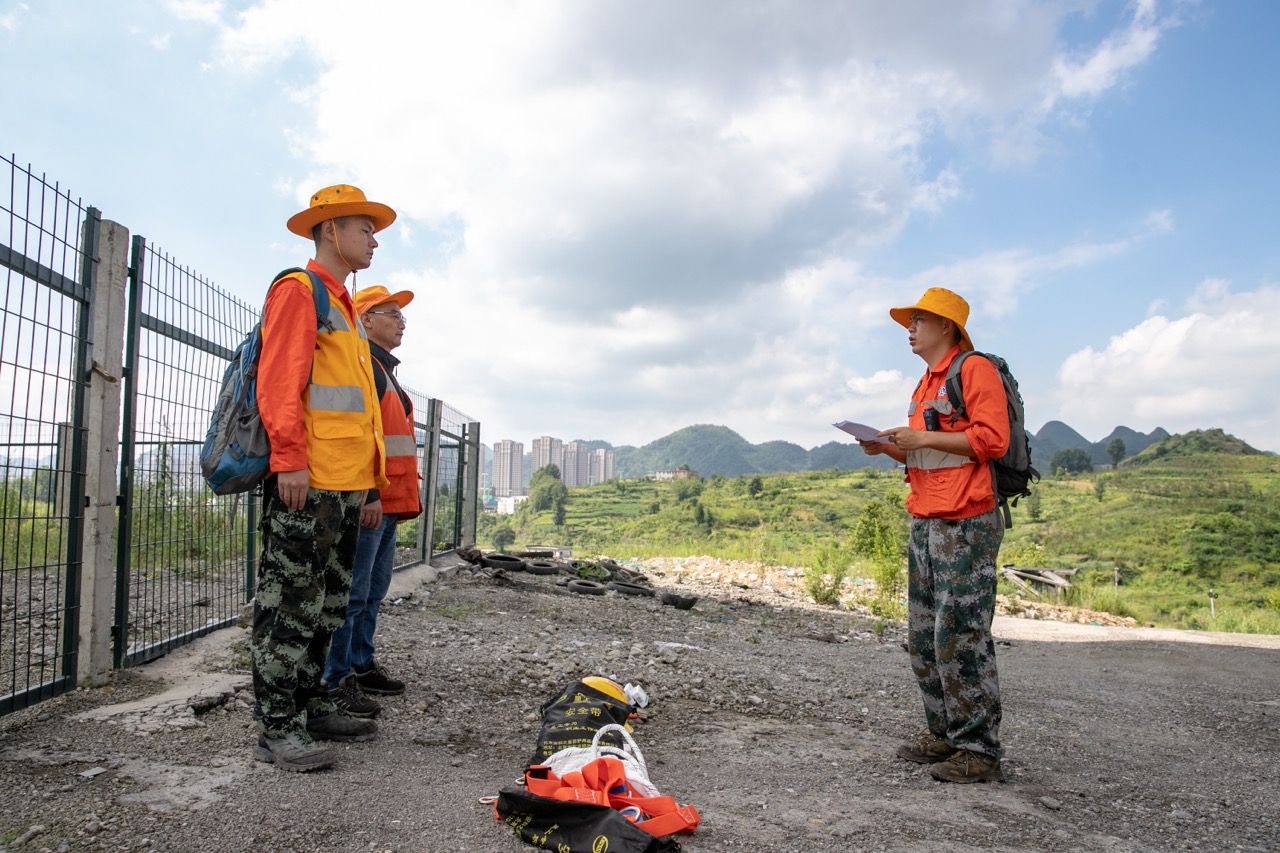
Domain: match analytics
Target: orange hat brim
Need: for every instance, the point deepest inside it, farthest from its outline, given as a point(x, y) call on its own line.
point(304, 222)
point(902, 316)
point(363, 303)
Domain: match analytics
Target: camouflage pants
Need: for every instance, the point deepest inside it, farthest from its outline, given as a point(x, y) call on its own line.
point(304, 578)
point(951, 595)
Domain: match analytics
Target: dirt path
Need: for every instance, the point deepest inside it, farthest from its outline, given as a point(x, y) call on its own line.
point(778, 720)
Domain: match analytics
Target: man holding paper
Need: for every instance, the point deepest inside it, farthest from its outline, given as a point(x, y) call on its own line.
point(954, 542)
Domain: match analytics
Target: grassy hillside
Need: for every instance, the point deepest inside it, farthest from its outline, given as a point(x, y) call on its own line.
point(1168, 530)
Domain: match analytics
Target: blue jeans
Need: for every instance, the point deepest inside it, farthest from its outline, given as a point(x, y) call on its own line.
point(352, 645)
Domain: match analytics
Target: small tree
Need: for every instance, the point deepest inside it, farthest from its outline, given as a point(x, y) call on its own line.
point(1115, 449)
point(503, 536)
point(1099, 488)
point(1073, 461)
point(824, 578)
point(1033, 505)
point(755, 487)
point(881, 543)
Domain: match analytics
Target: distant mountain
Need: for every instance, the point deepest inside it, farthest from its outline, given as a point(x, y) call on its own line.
point(1194, 442)
point(1055, 436)
point(711, 449)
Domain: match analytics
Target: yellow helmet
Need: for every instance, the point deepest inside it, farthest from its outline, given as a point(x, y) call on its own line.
point(607, 686)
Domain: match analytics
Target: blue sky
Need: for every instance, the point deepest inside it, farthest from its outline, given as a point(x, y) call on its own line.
point(625, 218)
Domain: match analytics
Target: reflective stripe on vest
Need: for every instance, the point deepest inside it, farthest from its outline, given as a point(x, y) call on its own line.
point(338, 319)
point(930, 460)
point(400, 445)
point(336, 398)
point(941, 406)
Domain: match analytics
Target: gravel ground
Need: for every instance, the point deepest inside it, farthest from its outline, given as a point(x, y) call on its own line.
point(777, 719)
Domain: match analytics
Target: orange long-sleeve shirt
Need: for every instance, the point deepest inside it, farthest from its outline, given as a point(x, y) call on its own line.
point(966, 490)
point(284, 372)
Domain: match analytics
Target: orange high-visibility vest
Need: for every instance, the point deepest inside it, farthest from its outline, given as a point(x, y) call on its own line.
point(402, 497)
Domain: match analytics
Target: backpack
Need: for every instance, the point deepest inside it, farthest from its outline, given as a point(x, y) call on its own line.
point(1012, 473)
point(236, 455)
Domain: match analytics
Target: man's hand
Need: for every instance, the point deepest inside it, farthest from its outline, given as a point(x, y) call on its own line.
point(371, 514)
point(872, 448)
point(876, 448)
point(292, 487)
point(906, 438)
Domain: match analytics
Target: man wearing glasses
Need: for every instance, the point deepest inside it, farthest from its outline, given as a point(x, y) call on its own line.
point(351, 670)
point(954, 542)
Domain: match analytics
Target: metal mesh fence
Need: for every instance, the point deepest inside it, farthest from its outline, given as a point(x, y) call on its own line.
point(186, 560)
point(447, 479)
point(190, 554)
point(41, 487)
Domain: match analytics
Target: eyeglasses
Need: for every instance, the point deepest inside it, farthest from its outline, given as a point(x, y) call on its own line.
point(399, 318)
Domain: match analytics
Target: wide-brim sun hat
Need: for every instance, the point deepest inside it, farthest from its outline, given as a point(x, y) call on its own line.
point(371, 297)
point(944, 303)
point(339, 200)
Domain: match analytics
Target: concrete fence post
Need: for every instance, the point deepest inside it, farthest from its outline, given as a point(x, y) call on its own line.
point(471, 484)
point(427, 528)
point(98, 558)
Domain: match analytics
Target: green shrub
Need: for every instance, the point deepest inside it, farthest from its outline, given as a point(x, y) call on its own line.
point(825, 575)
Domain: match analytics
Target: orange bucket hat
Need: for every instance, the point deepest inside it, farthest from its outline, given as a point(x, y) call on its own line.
point(371, 297)
point(944, 303)
point(339, 200)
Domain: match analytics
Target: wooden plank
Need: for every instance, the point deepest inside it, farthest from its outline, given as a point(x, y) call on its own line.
point(1056, 579)
point(1026, 587)
point(1043, 576)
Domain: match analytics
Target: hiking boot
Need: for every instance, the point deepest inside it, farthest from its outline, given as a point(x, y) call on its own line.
point(376, 682)
point(928, 748)
point(351, 700)
point(967, 766)
point(341, 727)
point(296, 752)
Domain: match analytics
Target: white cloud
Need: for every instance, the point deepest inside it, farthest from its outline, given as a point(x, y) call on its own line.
point(160, 41)
point(995, 280)
point(200, 11)
point(11, 20)
point(1213, 367)
point(667, 203)
point(1102, 67)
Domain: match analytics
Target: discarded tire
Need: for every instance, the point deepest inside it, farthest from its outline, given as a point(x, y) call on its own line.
point(678, 600)
point(585, 587)
point(541, 567)
point(628, 588)
point(503, 561)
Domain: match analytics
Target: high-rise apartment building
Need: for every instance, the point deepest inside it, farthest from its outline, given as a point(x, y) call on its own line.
point(548, 451)
point(508, 468)
point(577, 464)
point(601, 467)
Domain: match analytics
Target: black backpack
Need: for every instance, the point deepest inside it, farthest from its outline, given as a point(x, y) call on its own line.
point(1012, 473)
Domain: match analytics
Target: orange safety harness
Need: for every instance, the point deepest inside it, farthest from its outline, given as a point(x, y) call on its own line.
point(603, 782)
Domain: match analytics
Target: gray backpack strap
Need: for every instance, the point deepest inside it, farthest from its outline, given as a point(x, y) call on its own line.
point(955, 386)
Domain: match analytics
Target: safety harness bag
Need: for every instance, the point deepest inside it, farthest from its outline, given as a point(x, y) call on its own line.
point(574, 827)
point(572, 718)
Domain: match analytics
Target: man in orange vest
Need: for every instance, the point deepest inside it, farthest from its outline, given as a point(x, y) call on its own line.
point(352, 670)
point(319, 405)
point(955, 539)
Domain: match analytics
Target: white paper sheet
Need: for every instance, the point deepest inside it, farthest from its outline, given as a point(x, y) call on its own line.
point(862, 432)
